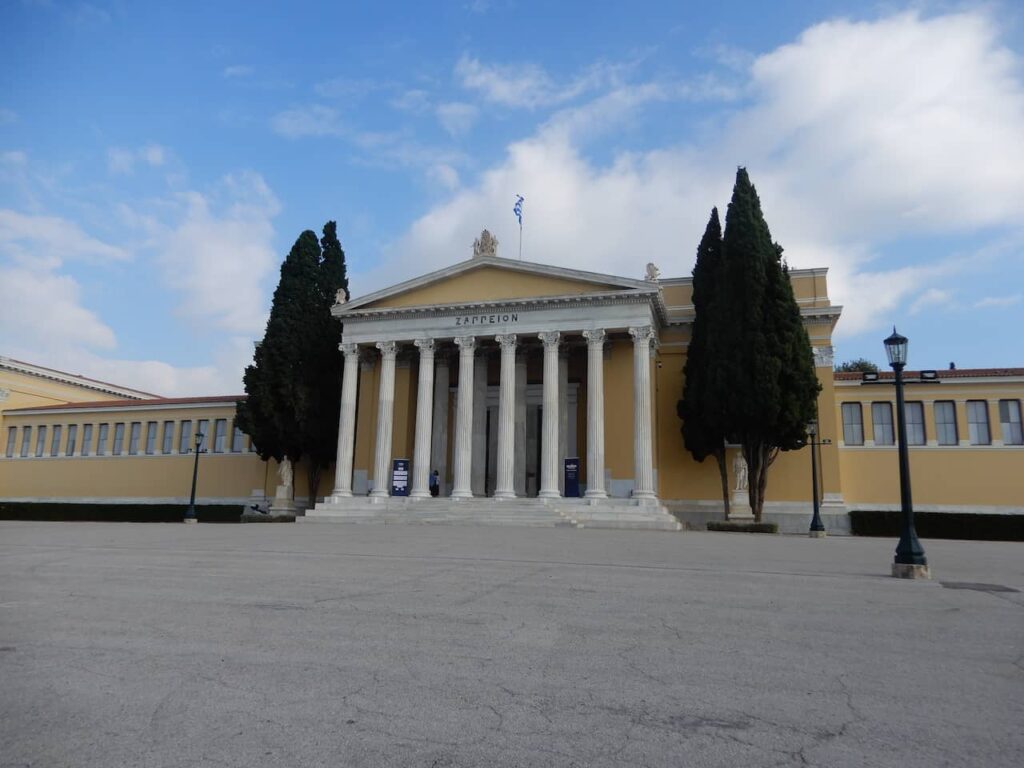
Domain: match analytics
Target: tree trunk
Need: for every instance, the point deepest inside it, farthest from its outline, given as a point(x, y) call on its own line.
point(314, 481)
point(723, 472)
point(759, 457)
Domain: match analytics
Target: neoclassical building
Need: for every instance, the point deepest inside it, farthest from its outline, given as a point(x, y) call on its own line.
point(538, 395)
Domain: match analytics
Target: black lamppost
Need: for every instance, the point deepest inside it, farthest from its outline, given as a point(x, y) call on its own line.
point(817, 527)
point(190, 513)
point(910, 562)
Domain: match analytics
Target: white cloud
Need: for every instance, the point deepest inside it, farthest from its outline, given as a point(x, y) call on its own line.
point(8, 116)
point(856, 134)
point(933, 297)
point(527, 85)
point(990, 302)
point(121, 161)
point(26, 237)
point(13, 157)
point(416, 101)
point(314, 120)
point(445, 175)
point(457, 117)
point(236, 71)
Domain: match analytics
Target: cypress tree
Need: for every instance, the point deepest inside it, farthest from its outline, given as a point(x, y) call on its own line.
point(762, 378)
point(703, 435)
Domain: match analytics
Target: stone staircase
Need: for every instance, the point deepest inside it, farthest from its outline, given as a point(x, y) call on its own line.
point(576, 513)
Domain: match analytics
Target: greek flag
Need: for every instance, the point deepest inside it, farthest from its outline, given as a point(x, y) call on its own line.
point(518, 209)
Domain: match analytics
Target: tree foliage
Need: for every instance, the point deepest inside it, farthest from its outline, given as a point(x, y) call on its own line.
point(761, 381)
point(860, 364)
point(293, 386)
point(702, 429)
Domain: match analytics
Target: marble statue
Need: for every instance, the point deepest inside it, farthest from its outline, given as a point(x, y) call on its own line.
point(739, 468)
point(485, 245)
point(340, 297)
point(653, 273)
point(284, 472)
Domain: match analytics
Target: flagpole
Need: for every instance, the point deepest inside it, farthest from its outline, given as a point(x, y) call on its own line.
point(520, 240)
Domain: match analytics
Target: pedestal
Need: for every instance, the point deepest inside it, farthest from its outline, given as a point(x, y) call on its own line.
point(282, 503)
point(739, 506)
point(910, 571)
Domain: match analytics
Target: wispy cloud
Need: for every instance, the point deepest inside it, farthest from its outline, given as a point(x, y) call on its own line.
point(236, 71)
point(994, 302)
point(933, 297)
point(8, 116)
point(457, 117)
point(527, 85)
point(313, 120)
point(121, 161)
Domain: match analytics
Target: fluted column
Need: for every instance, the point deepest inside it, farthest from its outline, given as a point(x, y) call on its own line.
point(643, 464)
point(424, 417)
point(462, 483)
point(346, 422)
point(505, 487)
point(549, 441)
point(385, 420)
point(595, 414)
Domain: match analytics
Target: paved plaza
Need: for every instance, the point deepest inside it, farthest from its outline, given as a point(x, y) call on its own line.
point(347, 645)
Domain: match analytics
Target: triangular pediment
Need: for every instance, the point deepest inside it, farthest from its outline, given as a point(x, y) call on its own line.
point(490, 279)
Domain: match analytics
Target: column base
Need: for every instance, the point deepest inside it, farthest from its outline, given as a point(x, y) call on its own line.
point(910, 571)
point(461, 495)
point(191, 520)
point(341, 493)
point(500, 495)
point(645, 497)
point(818, 534)
point(596, 494)
point(549, 494)
point(419, 495)
point(378, 496)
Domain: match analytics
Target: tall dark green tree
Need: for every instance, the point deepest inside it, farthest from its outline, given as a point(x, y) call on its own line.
point(859, 364)
point(761, 380)
point(702, 428)
point(293, 386)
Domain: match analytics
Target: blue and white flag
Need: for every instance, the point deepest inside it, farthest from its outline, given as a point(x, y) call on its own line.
point(518, 209)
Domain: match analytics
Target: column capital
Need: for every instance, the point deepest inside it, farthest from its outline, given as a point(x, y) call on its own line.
point(465, 343)
point(425, 346)
point(507, 341)
point(550, 339)
point(594, 337)
point(388, 349)
point(642, 334)
point(349, 349)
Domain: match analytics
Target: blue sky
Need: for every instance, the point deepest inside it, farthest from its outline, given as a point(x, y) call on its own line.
point(158, 161)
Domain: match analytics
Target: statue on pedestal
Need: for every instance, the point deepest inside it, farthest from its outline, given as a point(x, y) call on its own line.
point(485, 245)
point(739, 469)
point(284, 472)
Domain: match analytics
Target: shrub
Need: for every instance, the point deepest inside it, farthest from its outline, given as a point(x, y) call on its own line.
point(718, 525)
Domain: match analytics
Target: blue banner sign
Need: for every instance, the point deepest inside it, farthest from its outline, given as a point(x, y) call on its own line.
point(572, 478)
point(400, 477)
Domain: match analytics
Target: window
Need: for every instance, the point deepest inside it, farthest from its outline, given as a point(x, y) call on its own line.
point(55, 442)
point(101, 440)
point(86, 439)
point(168, 445)
point(1009, 421)
point(203, 428)
point(220, 428)
point(977, 422)
point(915, 423)
point(238, 439)
point(133, 440)
point(12, 438)
point(150, 438)
point(69, 449)
point(40, 441)
point(26, 440)
point(185, 439)
point(945, 422)
point(881, 420)
point(118, 438)
point(853, 425)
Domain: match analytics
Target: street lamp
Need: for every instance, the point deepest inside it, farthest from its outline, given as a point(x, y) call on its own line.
point(910, 561)
point(190, 513)
point(817, 527)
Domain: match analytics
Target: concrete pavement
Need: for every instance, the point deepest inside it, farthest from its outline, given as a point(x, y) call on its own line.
point(286, 645)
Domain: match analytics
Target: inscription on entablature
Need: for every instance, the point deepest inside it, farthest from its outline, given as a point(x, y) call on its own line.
point(490, 319)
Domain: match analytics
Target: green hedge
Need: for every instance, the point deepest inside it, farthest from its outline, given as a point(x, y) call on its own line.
point(719, 525)
point(118, 513)
point(940, 525)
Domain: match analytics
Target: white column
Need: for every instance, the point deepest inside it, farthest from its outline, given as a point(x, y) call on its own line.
point(563, 416)
point(346, 422)
point(385, 419)
point(595, 414)
point(521, 410)
point(478, 474)
point(505, 487)
point(549, 440)
point(439, 432)
point(424, 403)
point(463, 460)
point(643, 464)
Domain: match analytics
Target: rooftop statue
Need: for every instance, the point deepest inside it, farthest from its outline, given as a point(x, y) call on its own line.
point(653, 273)
point(485, 245)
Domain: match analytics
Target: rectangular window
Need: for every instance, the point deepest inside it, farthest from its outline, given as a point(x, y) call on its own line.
point(238, 439)
point(101, 440)
point(150, 438)
point(133, 440)
point(69, 449)
point(853, 424)
point(118, 438)
point(1009, 421)
point(881, 420)
point(86, 439)
point(41, 441)
point(945, 423)
point(185, 439)
point(168, 445)
point(915, 423)
point(12, 439)
point(55, 441)
point(203, 428)
point(977, 422)
point(26, 440)
point(220, 430)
